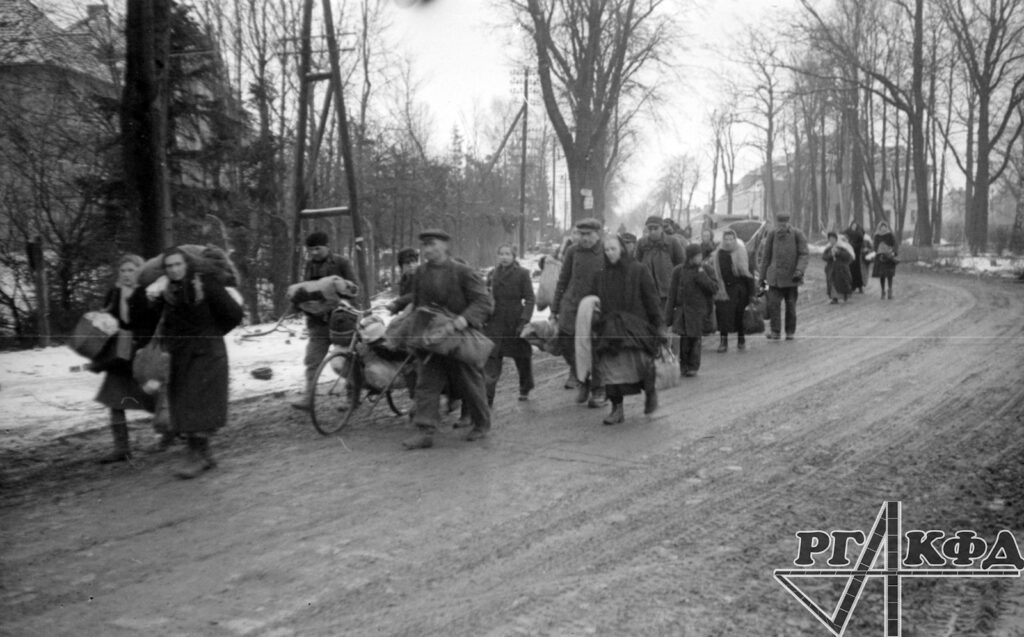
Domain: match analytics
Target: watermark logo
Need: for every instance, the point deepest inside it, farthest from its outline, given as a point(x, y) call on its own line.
point(911, 554)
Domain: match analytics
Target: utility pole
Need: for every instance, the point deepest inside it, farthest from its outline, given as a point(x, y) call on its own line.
point(335, 94)
point(37, 263)
point(522, 167)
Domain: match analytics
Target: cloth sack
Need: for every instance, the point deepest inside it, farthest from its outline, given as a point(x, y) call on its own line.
point(542, 334)
point(666, 369)
point(430, 333)
point(548, 281)
point(753, 316)
point(321, 296)
point(152, 364)
point(399, 331)
point(92, 333)
point(379, 372)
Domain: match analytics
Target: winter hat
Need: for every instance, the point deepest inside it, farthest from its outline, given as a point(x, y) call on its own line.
point(654, 221)
point(692, 250)
point(315, 239)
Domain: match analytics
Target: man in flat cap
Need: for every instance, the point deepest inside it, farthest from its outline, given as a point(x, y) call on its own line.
point(442, 282)
point(581, 260)
point(320, 262)
point(783, 262)
point(660, 254)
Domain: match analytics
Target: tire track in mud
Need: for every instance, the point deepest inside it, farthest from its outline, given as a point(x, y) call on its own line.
point(621, 543)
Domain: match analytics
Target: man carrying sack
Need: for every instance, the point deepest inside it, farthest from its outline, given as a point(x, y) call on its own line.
point(444, 285)
point(321, 263)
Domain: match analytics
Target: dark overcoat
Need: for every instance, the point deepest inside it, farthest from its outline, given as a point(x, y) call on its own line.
point(838, 277)
point(884, 267)
point(630, 312)
point(689, 299)
point(512, 292)
point(197, 313)
point(784, 257)
point(332, 265)
point(576, 276)
point(856, 238)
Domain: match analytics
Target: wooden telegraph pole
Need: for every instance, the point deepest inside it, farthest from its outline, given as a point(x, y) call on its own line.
point(335, 94)
point(522, 166)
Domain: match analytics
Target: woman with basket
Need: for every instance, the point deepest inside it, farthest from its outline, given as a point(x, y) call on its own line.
point(197, 311)
point(120, 391)
point(628, 333)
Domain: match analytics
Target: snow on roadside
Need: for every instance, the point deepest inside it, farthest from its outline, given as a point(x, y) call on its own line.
point(46, 394)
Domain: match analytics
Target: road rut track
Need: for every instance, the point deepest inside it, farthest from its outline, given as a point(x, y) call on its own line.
point(556, 525)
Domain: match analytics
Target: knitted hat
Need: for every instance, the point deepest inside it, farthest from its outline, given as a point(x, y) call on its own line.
point(315, 239)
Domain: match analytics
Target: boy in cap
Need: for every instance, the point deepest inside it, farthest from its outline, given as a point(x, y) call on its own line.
point(783, 263)
point(320, 263)
point(442, 282)
point(579, 263)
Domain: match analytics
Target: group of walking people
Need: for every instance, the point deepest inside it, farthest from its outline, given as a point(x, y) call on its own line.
point(625, 300)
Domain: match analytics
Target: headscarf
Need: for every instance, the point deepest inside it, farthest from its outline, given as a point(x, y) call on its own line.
point(187, 291)
point(740, 266)
point(844, 244)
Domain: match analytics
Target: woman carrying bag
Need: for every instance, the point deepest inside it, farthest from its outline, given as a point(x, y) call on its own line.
point(119, 391)
point(198, 310)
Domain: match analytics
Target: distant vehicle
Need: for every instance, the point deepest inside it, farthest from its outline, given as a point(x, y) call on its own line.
point(744, 229)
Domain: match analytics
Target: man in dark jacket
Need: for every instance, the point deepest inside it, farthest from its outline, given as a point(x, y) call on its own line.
point(443, 283)
point(660, 254)
point(783, 262)
point(320, 263)
point(579, 263)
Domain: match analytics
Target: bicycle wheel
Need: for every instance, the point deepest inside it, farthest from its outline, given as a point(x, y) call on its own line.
point(330, 392)
point(400, 400)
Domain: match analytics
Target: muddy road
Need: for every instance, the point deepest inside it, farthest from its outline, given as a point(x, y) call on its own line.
point(557, 525)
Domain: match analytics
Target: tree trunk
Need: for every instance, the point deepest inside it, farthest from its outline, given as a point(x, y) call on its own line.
point(978, 236)
point(923, 224)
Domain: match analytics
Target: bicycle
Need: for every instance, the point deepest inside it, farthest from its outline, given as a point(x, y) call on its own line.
point(344, 386)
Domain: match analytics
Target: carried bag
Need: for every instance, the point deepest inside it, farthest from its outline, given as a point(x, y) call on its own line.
point(152, 365)
point(542, 334)
point(753, 316)
point(666, 369)
point(431, 334)
point(92, 333)
point(399, 331)
point(548, 282)
point(321, 296)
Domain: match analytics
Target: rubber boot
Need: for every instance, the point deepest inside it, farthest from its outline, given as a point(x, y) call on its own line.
point(723, 344)
point(119, 429)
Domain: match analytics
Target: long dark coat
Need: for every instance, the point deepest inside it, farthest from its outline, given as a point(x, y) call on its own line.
point(630, 312)
point(513, 296)
point(733, 298)
point(577, 274)
point(784, 256)
point(856, 238)
point(689, 299)
point(196, 317)
point(838, 279)
point(884, 267)
point(119, 389)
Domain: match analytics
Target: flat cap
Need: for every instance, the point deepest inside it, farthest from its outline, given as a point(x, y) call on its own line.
point(782, 216)
point(588, 224)
point(435, 233)
point(654, 220)
point(315, 239)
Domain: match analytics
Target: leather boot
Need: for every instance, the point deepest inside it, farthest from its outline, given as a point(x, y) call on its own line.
point(890, 293)
point(616, 417)
point(582, 393)
point(197, 460)
point(650, 401)
point(741, 342)
point(121, 451)
point(723, 344)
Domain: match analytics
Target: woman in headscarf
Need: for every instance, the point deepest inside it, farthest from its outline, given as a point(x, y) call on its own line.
point(512, 291)
point(731, 267)
point(119, 390)
point(197, 311)
point(886, 257)
point(628, 333)
point(839, 258)
point(855, 235)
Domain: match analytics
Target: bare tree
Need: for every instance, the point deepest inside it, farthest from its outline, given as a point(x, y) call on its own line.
point(592, 57)
point(990, 41)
